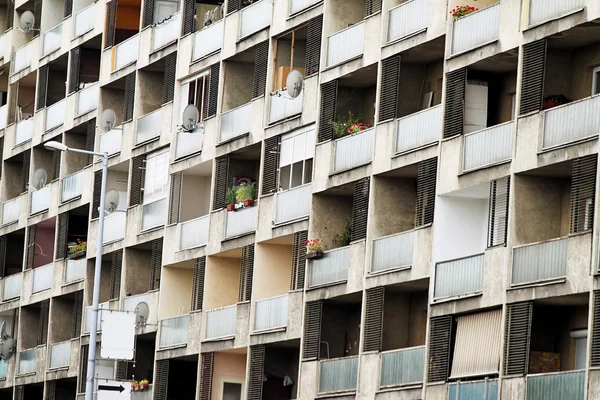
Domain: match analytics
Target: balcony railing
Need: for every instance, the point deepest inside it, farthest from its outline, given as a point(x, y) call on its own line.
point(174, 331)
point(488, 146)
point(24, 131)
point(393, 251)
point(460, 277)
point(114, 227)
point(293, 204)
point(153, 214)
point(271, 313)
point(255, 17)
point(194, 233)
point(545, 10)
point(52, 40)
point(22, 58)
point(28, 361)
point(88, 316)
point(242, 221)
point(299, 5)
point(476, 29)
point(332, 268)
point(110, 142)
point(571, 122)
point(353, 150)
point(562, 385)
point(539, 262)
point(402, 367)
point(55, 114)
point(42, 278)
point(11, 210)
point(60, 355)
point(346, 45)
point(281, 108)
point(166, 32)
point(3, 112)
point(146, 394)
point(3, 368)
point(220, 323)
point(131, 302)
point(87, 98)
point(40, 200)
point(407, 19)
point(126, 52)
point(484, 390)
point(236, 122)
point(188, 143)
point(84, 20)
point(338, 375)
point(209, 40)
point(149, 126)
point(419, 129)
point(11, 286)
point(72, 186)
point(75, 270)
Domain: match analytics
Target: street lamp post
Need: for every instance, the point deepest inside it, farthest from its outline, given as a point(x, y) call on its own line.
point(91, 369)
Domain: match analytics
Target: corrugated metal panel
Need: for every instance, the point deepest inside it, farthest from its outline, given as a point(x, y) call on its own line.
point(583, 193)
point(459, 277)
point(546, 10)
point(198, 283)
point(346, 44)
point(293, 204)
point(338, 375)
point(419, 129)
point(314, 37)
point(571, 122)
point(390, 81)
point(426, 184)
point(532, 83)
point(271, 313)
point(261, 63)
point(393, 251)
point(353, 150)
point(311, 337)
point(255, 17)
point(373, 323)
point(242, 221)
point(207, 362)
point(498, 212)
point(456, 84)
point(476, 29)
point(236, 122)
point(595, 346)
point(406, 19)
point(480, 390)
point(489, 146)
point(517, 337)
point(402, 367)
point(538, 262)
point(255, 374)
point(564, 385)
point(220, 185)
point(221, 322)
point(360, 209)
point(328, 110)
point(271, 164)
point(333, 267)
point(440, 331)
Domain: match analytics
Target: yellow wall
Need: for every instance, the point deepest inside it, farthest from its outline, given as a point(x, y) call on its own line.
point(221, 282)
point(272, 270)
point(195, 197)
point(228, 367)
point(175, 291)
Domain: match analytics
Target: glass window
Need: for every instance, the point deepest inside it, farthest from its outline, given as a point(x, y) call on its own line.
point(297, 171)
point(308, 169)
point(596, 81)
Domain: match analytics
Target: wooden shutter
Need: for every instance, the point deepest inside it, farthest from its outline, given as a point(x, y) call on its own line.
point(314, 36)
point(96, 194)
point(110, 24)
point(220, 186)
point(137, 176)
point(372, 7)
point(213, 90)
point(595, 352)
point(517, 337)
point(298, 260)
point(328, 107)
point(121, 371)
point(43, 322)
point(74, 69)
point(37, 13)
point(583, 192)
point(50, 390)
point(207, 362)
point(189, 14)
point(77, 314)
point(360, 209)
point(62, 235)
point(161, 381)
point(312, 330)
point(532, 82)
point(25, 171)
point(256, 371)
point(233, 5)
point(261, 62)
point(390, 81)
point(90, 138)
point(3, 242)
point(83, 366)
point(128, 97)
point(42, 87)
point(148, 13)
point(426, 182)
point(175, 197)
point(198, 283)
point(169, 77)
point(374, 301)
point(115, 274)
point(31, 247)
point(19, 392)
point(454, 113)
point(246, 271)
point(271, 164)
point(68, 8)
point(498, 214)
point(440, 331)
point(156, 263)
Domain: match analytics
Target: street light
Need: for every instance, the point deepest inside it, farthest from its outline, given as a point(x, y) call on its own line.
point(89, 385)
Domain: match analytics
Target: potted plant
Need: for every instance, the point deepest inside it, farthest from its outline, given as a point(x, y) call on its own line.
point(135, 386)
point(345, 237)
point(460, 11)
point(143, 384)
point(78, 250)
point(246, 193)
point(314, 248)
point(348, 127)
point(230, 199)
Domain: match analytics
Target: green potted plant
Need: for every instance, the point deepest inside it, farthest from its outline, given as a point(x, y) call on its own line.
point(78, 250)
point(246, 193)
point(314, 248)
point(230, 199)
point(348, 127)
point(143, 384)
point(345, 237)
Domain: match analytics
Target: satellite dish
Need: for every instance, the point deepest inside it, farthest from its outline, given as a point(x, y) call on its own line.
point(40, 178)
point(26, 21)
point(107, 120)
point(294, 83)
point(142, 311)
point(7, 348)
point(3, 334)
point(190, 117)
point(111, 201)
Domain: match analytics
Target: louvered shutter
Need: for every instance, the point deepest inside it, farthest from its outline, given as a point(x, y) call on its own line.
point(19, 392)
point(328, 107)
point(426, 183)
point(3, 241)
point(456, 82)
point(169, 77)
point(50, 390)
point(175, 197)
point(298, 260)
point(314, 36)
point(213, 91)
point(583, 192)
point(90, 137)
point(440, 331)
point(532, 82)
point(77, 314)
point(1, 154)
point(42, 87)
point(595, 352)
point(360, 209)
point(96, 194)
point(198, 283)
point(12, 102)
point(43, 323)
point(55, 173)
point(31, 247)
point(74, 69)
point(246, 272)
point(68, 8)
point(271, 164)
point(220, 186)
point(128, 97)
point(83, 366)
point(374, 301)
point(10, 15)
point(37, 13)
point(233, 5)
point(261, 62)
point(517, 337)
point(498, 213)
point(189, 14)
point(62, 235)
point(207, 362)
point(148, 13)
point(121, 371)
point(372, 7)
point(155, 263)
point(390, 81)
point(110, 24)
point(256, 371)
point(25, 171)
point(312, 330)
point(137, 176)
point(115, 274)
point(161, 381)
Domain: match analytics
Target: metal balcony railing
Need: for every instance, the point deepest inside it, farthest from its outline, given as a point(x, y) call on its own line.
point(407, 19)
point(571, 122)
point(338, 375)
point(556, 386)
point(11, 286)
point(75, 269)
point(52, 40)
point(299, 5)
point(221, 322)
point(148, 127)
point(188, 143)
point(88, 316)
point(40, 200)
point(476, 29)
point(55, 114)
point(42, 278)
point(28, 361)
point(114, 227)
point(22, 57)
point(540, 261)
point(545, 10)
point(87, 98)
point(271, 313)
point(255, 17)
point(166, 32)
point(154, 214)
point(460, 277)
point(11, 210)
point(3, 110)
point(488, 146)
point(332, 268)
point(209, 40)
point(60, 355)
point(194, 233)
point(393, 251)
point(293, 204)
point(236, 122)
point(84, 20)
point(346, 45)
point(402, 367)
point(353, 150)
point(241, 221)
point(110, 142)
point(24, 131)
point(419, 129)
point(72, 186)
point(481, 390)
point(126, 52)
point(281, 108)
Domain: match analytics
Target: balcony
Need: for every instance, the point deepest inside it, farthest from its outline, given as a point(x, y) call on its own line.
point(458, 278)
point(571, 122)
point(42, 278)
point(488, 146)
point(419, 130)
point(353, 150)
point(485, 390)
point(88, 316)
point(242, 221)
point(27, 362)
point(194, 233)
point(562, 385)
point(209, 40)
point(11, 286)
point(114, 227)
point(220, 323)
point(40, 200)
point(407, 19)
point(11, 210)
point(85, 20)
point(281, 108)
point(126, 52)
point(110, 142)
point(52, 40)
point(72, 187)
point(24, 131)
point(476, 29)
point(55, 114)
point(87, 98)
point(540, 262)
point(60, 355)
point(338, 375)
point(393, 252)
point(148, 127)
point(236, 122)
point(332, 268)
point(293, 204)
point(174, 331)
point(541, 11)
point(271, 313)
point(255, 17)
point(188, 143)
point(22, 57)
point(402, 367)
point(166, 32)
point(153, 214)
point(3, 112)
point(345, 45)
point(75, 270)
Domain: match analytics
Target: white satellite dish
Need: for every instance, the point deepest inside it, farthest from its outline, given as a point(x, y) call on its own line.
point(26, 22)
point(107, 120)
point(111, 201)
point(294, 83)
point(190, 118)
point(142, 311)
point(40, 177)
point(7, 343)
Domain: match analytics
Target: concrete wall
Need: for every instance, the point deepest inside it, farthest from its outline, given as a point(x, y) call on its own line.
point(272, 270)
point(333, 213)
point(137, 271)
point(341, 13)
point(405, 320)
point(176, 285)
point(221, 287)
point(61, 319)
point(393, 207)
point(150, 86)
point(237, 88)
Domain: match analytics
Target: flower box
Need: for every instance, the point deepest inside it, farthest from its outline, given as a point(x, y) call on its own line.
point(314, 255)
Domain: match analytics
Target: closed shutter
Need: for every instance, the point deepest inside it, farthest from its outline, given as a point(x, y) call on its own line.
point(37, 13)
point(156, 263)
point(56, 155)
point(517, 337)
point(77, 314)
point(374, 301)
point(25, 171)
point(372, 7)
point(31, 247)
point(271, 164)
point(233, 5)
point(246, 271)
point(68, 8)
point(583, 192)
point(314, 36)
point(360, 209)
point(440, 331)
point(426, 182)
point(62, 236)
point(207, 362)
point(121, 371)
point(83, 367)
point(137, 176)
point(299, 260)
point(161, 381)
point(115, 274)
point(328, 107)
point(43, 323)
point(74, 69)
point(175, 197)
point(213, 91)
point(498, 214)
point(189, 13)
point(3, 241)
point(12, 102)
point(198, 283)
point(595, 352)
point(261, 62)
point(19, 392)
point(220, 189)
point(1, 154)
point(255, 374)
point(10, 15)
point(390, 81)
point(96, 194)
point(128, 97)
point(110, 24)
point(532, 82)
point(50, 390)
point(42, 87)
point(148, 13)
point(169, 77)
point(312, 330)
point(90, 138)
point(454, 113)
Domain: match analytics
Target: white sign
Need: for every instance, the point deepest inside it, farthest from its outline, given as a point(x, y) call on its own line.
point(118, 335)
point(109, 389)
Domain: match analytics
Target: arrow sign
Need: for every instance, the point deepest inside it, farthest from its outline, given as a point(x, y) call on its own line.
point(119, 388)
point(111, 389)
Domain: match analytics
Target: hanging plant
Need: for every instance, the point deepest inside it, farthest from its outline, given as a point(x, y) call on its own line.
point(460, 11)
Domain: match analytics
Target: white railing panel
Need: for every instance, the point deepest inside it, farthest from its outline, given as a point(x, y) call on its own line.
point(22, 58)
point(84, 20)
point(242, 221)
point(419, 129)
point(154, 214)
point(60, 355)
point(539, 262)
point(208, 40)
point(271, 313)
point(545, 10)
point(42, 278)
point(236, 122)
point(556, 386)
point(114, 227)
point(149, 126)
point(11, 286)
point(188, 143)
point(353, 150)
point(402, 367)
point(127, 52)
point(488, 146)
point(110, 142)
point(87, 98)
point(293, 204)
point(255, 17)
point(174, 331)
point(131, 302)
point(24, 131)
point(281, 108)
point(88, 316)
point(40, 200)
point(75, 269)
point(345, 45)
point(55, 114)
point(476, 29)
point(571, 122)
point(52, 40)
point(28, 361)
point(166, 32)
point(221, 322)
point(459, 277)
point(72, 186)
point(299, 5)
point(11, 210)
point(338, 375)
point(406, 19)
point(471, 390)
point(3, 112)
point(333, 267)
point(394, 251)
point(194, 233)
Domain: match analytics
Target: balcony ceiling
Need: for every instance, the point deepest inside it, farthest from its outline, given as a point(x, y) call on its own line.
point(425, 53)
point(579, 36)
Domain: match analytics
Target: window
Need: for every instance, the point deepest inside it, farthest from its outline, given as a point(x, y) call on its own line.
point(156, 180)
point(295, 161)
point(596, 81)
point(232, 391)
point(290, 54)
point(580, 338)
point(163, 9)
point(195, 91)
